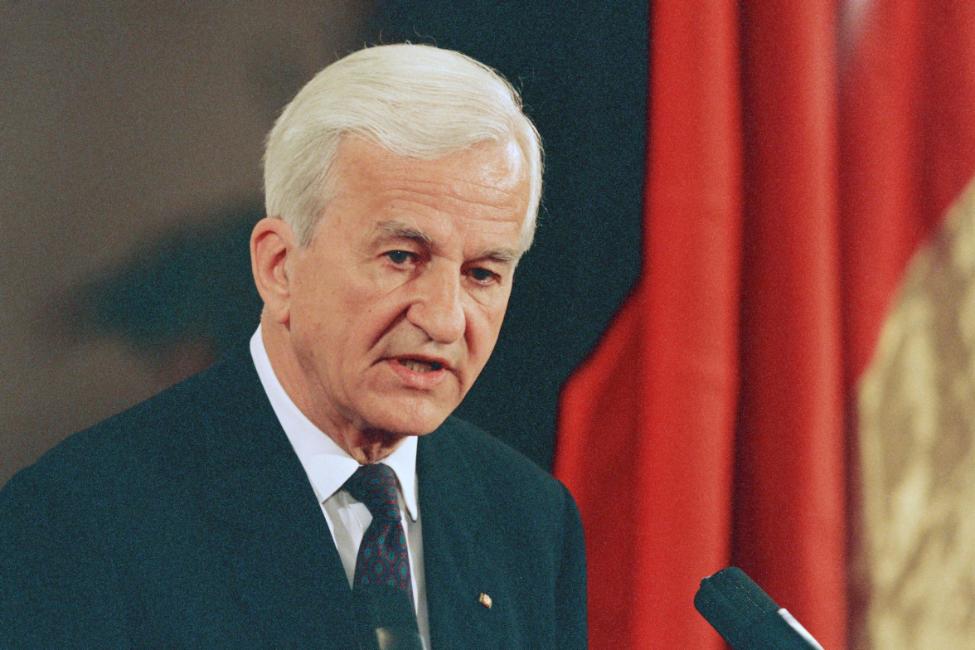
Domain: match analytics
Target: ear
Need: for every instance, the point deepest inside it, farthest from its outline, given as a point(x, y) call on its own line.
point(272, 242)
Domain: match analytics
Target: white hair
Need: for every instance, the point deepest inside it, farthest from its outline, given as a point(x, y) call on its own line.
point(414, 100)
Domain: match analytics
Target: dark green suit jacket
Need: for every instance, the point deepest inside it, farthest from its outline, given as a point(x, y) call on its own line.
point(188, 521)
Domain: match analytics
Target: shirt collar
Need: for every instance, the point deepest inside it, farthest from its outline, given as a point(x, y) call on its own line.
point(327, 465)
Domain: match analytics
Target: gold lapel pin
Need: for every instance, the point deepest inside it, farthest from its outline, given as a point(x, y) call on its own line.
point(485, 600)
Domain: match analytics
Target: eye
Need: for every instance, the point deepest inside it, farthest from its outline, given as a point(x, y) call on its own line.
point(400, 258)
point(481, 275)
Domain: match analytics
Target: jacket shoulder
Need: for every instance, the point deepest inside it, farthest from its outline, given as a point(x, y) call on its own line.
point(496, 457)
point(515, 484)
point(115, 443)
point(125, 451)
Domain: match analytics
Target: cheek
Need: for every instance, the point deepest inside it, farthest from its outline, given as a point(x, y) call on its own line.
point(362, 321)
point(325, 300)
point(320, 326)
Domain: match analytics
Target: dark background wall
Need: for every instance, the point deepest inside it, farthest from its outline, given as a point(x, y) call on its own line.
point(130, 175)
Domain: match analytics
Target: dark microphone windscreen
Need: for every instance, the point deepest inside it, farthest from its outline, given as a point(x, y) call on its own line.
point(746, 616)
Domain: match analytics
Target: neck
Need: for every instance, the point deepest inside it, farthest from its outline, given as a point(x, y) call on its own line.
point(371, 446)
point(366, 445)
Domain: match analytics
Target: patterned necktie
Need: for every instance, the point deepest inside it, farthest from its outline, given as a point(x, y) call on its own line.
point(382, 588)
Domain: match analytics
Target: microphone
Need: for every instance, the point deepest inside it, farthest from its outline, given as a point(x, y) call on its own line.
point(746, 616)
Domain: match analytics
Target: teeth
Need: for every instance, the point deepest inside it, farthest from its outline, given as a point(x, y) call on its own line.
point(419, 366)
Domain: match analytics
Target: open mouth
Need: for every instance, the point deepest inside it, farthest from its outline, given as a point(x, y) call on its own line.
point(418, 365)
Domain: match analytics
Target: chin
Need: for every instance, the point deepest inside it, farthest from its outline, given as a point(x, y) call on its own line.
point(410, 420)
point(416, 427)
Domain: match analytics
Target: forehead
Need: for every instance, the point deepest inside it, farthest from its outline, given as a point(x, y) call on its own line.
point(484, 186)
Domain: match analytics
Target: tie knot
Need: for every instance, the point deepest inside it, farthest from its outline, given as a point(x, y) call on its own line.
point(375, 486)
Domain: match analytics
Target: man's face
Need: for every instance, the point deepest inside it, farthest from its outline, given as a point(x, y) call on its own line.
point(396, 303)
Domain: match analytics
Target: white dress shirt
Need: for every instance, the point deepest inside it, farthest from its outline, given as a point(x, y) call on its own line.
point(328, 467)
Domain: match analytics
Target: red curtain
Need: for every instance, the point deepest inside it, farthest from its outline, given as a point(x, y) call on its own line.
point(798, 154)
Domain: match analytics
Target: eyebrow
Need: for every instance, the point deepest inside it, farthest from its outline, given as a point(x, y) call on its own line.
point(501, 255)
point(399, 230)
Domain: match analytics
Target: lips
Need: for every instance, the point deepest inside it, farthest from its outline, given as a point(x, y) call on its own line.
point(418, 365)
point(422, 373)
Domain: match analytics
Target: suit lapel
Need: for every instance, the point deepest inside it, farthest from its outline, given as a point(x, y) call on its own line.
point(460, 559)
point(266, 519)
point(270, 535)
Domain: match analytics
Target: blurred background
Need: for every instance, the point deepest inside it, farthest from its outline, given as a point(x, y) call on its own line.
point(745, 334)
point(132, 136)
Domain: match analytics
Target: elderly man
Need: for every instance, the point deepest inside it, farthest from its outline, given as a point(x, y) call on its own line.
point(314, 489)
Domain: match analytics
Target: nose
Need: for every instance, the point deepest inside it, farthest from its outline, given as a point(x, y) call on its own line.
point(437, 308)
